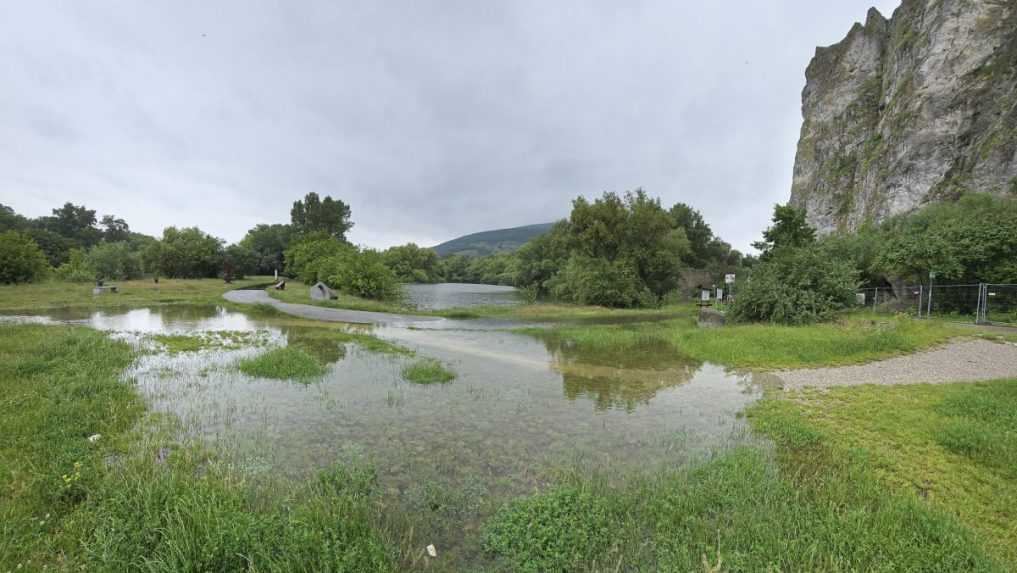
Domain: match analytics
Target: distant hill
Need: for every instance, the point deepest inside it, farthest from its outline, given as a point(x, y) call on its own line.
point(489, 242)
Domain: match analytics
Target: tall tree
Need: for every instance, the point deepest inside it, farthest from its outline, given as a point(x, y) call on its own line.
point(313, 214)
point(698, 232)
point(114, 229)
point(790, 229)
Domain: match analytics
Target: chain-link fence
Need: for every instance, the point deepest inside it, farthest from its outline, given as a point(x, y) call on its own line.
point(979, 303)
point(999, 304)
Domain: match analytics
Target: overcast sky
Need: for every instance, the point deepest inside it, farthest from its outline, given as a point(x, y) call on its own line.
point(431, 119)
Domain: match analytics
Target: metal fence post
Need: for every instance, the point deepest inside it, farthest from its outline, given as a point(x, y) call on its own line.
point(921, 289)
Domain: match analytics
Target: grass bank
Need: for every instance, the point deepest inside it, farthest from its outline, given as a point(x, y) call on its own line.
point(58, 294)
point(849, 340)
point(297, 292)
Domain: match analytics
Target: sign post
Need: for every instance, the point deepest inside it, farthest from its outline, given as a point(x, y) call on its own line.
point(729, 279)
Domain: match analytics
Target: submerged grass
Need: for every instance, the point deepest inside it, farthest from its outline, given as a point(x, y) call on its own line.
point(427, 371)
point(286, 363)
point(225, 339)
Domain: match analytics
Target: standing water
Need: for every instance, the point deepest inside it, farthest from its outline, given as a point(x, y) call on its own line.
point(521, 408)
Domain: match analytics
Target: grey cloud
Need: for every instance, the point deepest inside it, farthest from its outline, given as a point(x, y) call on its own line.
point(432, 119)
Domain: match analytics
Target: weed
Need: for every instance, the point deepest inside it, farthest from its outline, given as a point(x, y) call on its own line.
point(427, 371)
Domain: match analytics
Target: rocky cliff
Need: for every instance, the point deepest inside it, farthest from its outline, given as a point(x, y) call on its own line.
point(917, 108)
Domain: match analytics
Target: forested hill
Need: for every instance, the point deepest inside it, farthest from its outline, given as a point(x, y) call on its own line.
point(489, 242)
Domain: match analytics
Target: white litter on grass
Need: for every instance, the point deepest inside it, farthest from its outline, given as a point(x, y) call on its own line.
point(94, 438)
point(432, 551)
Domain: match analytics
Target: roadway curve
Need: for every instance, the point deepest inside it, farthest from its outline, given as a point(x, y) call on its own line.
point(328, 314)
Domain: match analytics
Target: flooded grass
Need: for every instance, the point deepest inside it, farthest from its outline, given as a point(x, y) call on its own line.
point(608, 447)
point(427, 372)
point(287, 363)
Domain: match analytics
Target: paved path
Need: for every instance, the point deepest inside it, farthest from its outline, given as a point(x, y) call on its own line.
point(957, 361)
point(329, 314)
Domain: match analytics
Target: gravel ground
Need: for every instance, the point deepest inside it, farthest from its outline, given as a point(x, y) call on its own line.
point(956, 361)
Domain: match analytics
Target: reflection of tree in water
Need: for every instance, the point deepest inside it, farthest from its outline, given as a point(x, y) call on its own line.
point(619, 376)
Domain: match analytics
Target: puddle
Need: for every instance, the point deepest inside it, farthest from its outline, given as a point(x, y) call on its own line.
point(520, 408)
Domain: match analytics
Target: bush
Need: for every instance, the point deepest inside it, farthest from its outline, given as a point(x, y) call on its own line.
point(187, 253)
point(304, 259)
point(21, 259)
point(796, 286)
point(587, 280)
point(113, 261)
point(76, 269)
point(360, 273)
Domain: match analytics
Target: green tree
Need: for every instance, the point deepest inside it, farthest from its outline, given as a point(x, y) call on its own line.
point(10, 220)
point(790, 229)
point(698, 232)
point(360, 273)
point(411, 263)
point(315, 215)
point(304, 257)
point(269, 244)
point(189, 253)
point(113, 261)
point(21, 260)
point(114, 230)
point(241, 260)
point(801, 286)
point(76, 268)
point(970, 240)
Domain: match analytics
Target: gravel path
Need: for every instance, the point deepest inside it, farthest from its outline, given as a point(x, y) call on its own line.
point(956, 361)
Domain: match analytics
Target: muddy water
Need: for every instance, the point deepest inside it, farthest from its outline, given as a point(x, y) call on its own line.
point(520, 408)
point(459, 295)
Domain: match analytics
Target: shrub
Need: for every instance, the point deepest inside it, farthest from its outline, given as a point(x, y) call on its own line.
point(588, 280)
point(427, 371)
point(113, 261)
point(305, 259)
point(76, 269)
point(21, 259)
point(796, 286)
point(361, 273)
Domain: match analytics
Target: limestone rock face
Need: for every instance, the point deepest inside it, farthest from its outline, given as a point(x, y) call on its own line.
point(917, 108)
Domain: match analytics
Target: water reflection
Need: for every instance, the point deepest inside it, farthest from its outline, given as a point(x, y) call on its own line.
point(520, 408)
point(455, 295)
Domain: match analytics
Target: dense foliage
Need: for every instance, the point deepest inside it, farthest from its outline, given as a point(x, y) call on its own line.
point(21, 259)
point(411, 263)
point(313, 214)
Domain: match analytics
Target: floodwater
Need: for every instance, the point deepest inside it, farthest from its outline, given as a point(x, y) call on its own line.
point(521, 408)
point(459, 295)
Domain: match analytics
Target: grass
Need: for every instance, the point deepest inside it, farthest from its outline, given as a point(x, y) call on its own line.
point(950, 447)
point(286, 363)
point(57, 294)
point(427, 371)
point(742, 510)
point(58, 386)
point(297, 292)
point(67, 503)
point(850, 340)
point(177, 343)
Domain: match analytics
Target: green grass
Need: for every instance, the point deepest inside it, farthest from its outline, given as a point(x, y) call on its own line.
point(227, 340)
point(950, 447)
point(286, 363)
point(850, 340)
point(58, 386)
point(427, 371)
point(58, 294)
point(740, 511)
point(297, 292)
point(70, 504)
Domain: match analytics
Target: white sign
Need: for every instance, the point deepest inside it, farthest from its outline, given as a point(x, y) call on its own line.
point(705, 296)
point(720, 294)
point(729, 279)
